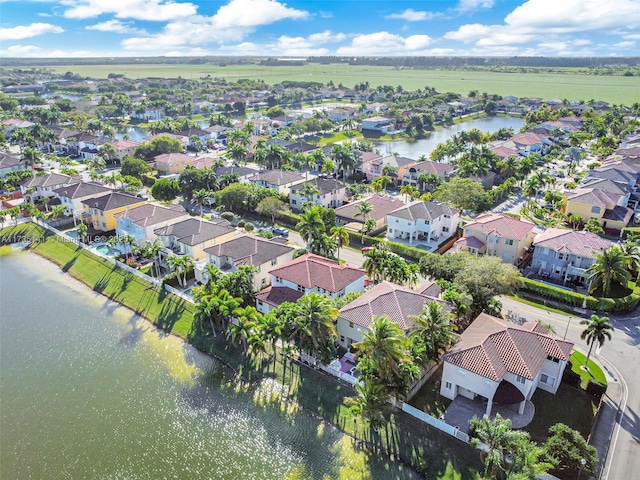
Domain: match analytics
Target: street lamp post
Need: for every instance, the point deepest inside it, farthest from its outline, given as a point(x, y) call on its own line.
point(567, 329)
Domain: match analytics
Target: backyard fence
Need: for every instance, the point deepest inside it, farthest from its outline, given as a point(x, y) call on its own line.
point(435, 422)
point(178, 293)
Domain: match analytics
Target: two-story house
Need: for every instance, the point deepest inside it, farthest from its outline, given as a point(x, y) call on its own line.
point(43, 186)
point(381, 205)
point(601, 205)
point(496, 235)
point(9, 163)
point(262, 253)
point(73, 195)
point(503, 363)
point(528, 142)
point(172, 163)
point(244, 173)
point(329, 193)
point(142, 222)
point(377, 123)
point(422, 221)
point(398, 304)
point(565, 255)
point(313, 273)
point(417, 172)
point(191, 236)
point(100, 211)
point(278, 180)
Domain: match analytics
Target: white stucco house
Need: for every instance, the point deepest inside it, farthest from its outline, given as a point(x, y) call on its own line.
point(141, 222)
point(422, 221)
point(503, 363)
point(330, 193)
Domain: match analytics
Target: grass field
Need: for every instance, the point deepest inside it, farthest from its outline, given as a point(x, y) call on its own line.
point(613, 89)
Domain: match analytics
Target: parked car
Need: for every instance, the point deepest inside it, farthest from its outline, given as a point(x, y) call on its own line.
point(367, 249)
point(283, 232)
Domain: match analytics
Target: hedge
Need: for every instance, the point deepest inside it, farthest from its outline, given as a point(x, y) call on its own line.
point(622, 304)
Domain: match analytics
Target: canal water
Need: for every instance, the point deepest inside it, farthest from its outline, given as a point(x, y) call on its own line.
point(89, 390)
point(424, 146)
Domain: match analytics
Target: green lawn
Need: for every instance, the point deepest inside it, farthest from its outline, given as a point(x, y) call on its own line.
point(434, 453)
point(593, 374)
point(566, 84)
point(571, 406)
point(428, 399)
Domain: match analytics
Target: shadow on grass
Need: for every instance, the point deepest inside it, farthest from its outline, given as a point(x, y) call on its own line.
point(170, 313)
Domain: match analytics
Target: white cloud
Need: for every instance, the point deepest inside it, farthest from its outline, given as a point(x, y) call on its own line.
point(252, 13)
point(114, 26)
point(411, 15)
point(151, 10)
point(385, 43)
point(625, 44)
point(20, 50)
point(469, 32)
point(470, 5)
point(28, 31)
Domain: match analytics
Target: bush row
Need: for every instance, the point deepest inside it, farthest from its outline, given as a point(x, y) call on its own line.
point(622, 304)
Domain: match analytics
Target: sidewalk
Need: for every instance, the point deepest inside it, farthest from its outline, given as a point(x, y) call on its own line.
point(607, 421)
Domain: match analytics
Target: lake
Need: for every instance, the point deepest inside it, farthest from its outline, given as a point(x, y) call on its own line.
point(424, 146)
point(90, 390)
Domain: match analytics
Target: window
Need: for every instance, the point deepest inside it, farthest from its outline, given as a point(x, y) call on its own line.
point(521, 379)
point(301, 288)
point(278, 279)
point(595, 209)
point(447, 385)
point(560, 256)
point(274, 261)
point(397, 221)
point(445, 229)
point(350, 324)
point(259, 303)
point(341, 338)
point(447, 216)
point(293, 202)
point(508, 241)
point(264, 281)
point(552, 359)
point(462, 372)
point(547, 379)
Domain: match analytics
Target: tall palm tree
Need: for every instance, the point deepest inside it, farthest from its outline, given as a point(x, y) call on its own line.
point(598, 330)
point(313, 329)
point(631, 252)
point(181, 265)
point(82, 230)
point(608, 270)
point(369, 402)
point(247, 320)
point(276, 156)
point(200, 196)
point(272, 328)
point(31, 157)
point(341, 236)
point(433, 328)
point(310, 225)
point(309, 190)
point(384, 350)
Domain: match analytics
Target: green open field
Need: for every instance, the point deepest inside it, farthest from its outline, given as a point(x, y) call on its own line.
point(569, 85)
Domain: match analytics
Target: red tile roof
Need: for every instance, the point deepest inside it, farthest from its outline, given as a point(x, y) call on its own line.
point(278, 295)
point(315, 271)
point(491, 347)
point(583, 244)
point(386, 299)
point(501, 225)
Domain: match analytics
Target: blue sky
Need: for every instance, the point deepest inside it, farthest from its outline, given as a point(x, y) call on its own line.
point(78, 28)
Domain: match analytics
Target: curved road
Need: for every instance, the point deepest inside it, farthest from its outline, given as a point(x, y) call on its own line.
point(620, 358)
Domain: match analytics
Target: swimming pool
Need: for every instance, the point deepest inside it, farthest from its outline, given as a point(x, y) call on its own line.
point(106, 249)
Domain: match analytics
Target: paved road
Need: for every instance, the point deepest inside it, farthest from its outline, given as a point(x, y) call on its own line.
point(620, 358)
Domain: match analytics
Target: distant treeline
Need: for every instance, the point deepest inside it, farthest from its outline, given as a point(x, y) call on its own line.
point(409, 62)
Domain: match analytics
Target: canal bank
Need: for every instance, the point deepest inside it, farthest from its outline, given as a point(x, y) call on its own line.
point(291, 386)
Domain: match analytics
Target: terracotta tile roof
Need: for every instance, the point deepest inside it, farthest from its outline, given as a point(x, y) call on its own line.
point(173, 158)
point(528, 138)
point(278, 295)
point(423, 210)
point(389, 300)
point(472, 242)
point(583, 244)
point(491, 347)
point(428, 167)
point(249, 250)
point(315, 271)
point(501, 225)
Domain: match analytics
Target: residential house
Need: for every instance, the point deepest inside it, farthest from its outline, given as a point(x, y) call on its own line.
point(279, 180)
point(142, 222)
point(330, 193)
point(313, 273)
point(9, 125)
point(503, 363)
point(172, 163)
point(412, 173)
point(603, 206)
point(398, 304)
point(272, 296)
point(497, 235)
point(349, 214)
point(9, 163)
point(124, 147)
point(217, 133)
point(101, 211)
point(262, 253)
point(147, 114)
point(184, 141)
point(564, 255)
point(528, 142)
point(43, 186)
point(244, 173)
point(399, 165)
point(377, 123)
point(72, 196)
point(191, 133)
point(191, 236)
point(367, 160)
point(339, 115)
point(422, 221)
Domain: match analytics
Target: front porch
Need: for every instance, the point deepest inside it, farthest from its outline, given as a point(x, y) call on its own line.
point(463, 409)
point(422, 241)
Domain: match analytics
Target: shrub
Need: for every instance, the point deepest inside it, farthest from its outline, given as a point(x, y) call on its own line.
point(248, 227)
point(228, 216)
point(241, 223)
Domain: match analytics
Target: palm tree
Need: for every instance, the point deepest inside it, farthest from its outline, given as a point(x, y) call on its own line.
point(31, 157)
point(384, 346)
point(364, 209)
point(341, 236)
point(310, 225)
point(499, 439)
point(309, 190)
point(631, 251)
point(201, 196)
point(368, 402)
point(509, 166)
point(433, 328)
point(608, 270)
point(82, 230)
point(276, 155)
point(247, 319)
point(237, 152)
point(598, 330)
point(313, 328)
point(181, 265)
point(272, 328)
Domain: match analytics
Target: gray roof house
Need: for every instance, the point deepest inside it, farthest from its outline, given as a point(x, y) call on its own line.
point(330, 193)
point(422, 221)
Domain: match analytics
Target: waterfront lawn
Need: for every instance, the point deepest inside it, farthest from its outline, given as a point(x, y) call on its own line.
point(571, 406)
